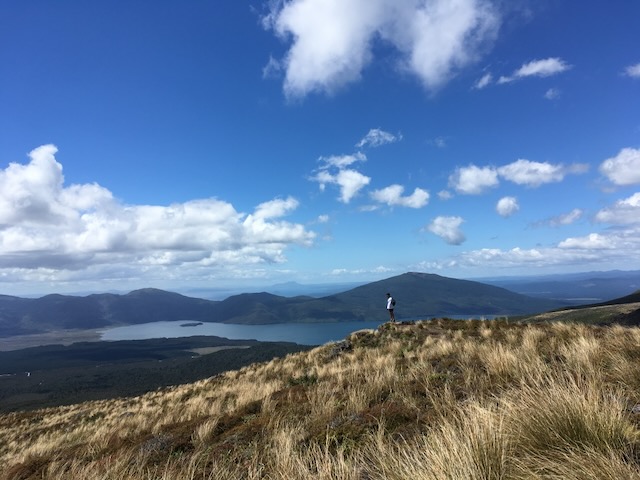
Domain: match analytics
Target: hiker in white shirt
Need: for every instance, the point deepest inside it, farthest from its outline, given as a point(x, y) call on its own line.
point(390, 304)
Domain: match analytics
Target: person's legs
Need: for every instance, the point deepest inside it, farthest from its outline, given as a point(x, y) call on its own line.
point(392, 317)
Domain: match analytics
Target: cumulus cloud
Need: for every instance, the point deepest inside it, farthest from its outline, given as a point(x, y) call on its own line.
point(392, 196)
point(45, 225)
point(448, 228)
point(33, 194)
point(532, 174)
point(507, 206)
point(376, 137)
point(473, 180)
point(633, 71)
point(625, 212)
point(624, 168)
point(538, 68)
point(614, 248)
point(349, 181)
point(593, 241)
point(332, 40)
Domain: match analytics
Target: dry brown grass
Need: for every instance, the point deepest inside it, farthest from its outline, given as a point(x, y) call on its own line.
point(439, 399)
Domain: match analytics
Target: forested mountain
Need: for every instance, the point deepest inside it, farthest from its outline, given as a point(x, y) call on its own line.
point(419, 295)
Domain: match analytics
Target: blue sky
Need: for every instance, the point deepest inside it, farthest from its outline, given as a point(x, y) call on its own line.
point(222, 143)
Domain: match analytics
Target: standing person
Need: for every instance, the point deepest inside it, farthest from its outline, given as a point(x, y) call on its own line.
point(390, 304)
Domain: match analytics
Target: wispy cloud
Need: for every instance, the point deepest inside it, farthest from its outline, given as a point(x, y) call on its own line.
point(633, 71)
point(538, 68)
point(440, 142)
point(560, 220)
point(483, 81)
point(332, 40)
point(566, 218)
point(552, 94)
point(377, 137)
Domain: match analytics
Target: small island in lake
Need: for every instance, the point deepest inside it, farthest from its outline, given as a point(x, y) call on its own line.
point(191, 324)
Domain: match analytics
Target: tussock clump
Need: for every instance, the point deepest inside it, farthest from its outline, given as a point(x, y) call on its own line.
point(438, 399)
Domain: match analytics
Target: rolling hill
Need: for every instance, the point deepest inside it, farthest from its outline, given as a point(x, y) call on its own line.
point(419, 295)
point(622, 311)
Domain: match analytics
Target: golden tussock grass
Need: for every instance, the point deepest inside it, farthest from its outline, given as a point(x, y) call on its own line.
point(440, 399)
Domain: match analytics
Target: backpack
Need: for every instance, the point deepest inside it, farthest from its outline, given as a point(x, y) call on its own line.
point(393, 302)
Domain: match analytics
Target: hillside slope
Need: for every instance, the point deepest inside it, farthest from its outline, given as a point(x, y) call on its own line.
point(432, 400)
point(622, 311)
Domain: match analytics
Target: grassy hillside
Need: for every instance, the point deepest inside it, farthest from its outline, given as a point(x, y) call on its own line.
point(623, 311)
point(437, 399)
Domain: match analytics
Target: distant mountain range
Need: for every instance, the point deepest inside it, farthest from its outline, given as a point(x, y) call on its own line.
point(419, 295)
point(575, 288)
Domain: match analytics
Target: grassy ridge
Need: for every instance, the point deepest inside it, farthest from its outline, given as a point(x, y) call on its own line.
point(433, 400)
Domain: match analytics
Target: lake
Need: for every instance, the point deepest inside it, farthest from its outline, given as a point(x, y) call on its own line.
point(301, 333)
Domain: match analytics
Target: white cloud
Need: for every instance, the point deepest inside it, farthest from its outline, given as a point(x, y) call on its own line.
point(614, 249)
point(593, 241)
point(624, 168)
point(359, 271)
point(439, 142)
point(448, 228)
point(552, 94)
point(624, 212)
point(532, 174)
point(538, 68)
point(566, 218)
point(54, 229)
point(445, 195)
point(349, 181)
point(507, 206)
point(483, 82)
point(33, 194)
point(272, 69)
point(376, 137)
point(392, 196)
point(331, 40)
point(633, 71)
point(473, 180)
point(342, 161)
